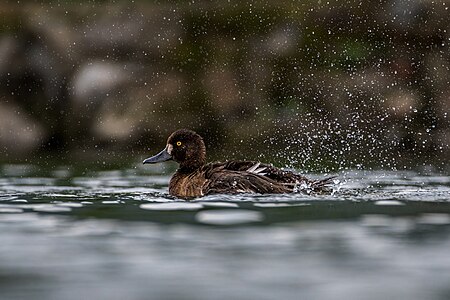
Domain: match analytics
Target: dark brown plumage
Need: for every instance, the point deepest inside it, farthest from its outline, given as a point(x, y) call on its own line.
point(195, 178)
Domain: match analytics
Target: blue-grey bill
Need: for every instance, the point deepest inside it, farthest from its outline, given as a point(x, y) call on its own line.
point(160, 157)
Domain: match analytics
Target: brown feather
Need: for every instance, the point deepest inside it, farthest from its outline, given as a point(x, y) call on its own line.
point(194, 178)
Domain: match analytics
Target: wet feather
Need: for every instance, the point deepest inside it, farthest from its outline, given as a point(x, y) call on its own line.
point(194, 178)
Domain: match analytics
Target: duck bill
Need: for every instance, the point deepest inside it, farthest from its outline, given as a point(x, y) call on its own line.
point(160, 157)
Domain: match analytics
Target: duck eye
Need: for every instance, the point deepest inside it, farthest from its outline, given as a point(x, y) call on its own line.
point(178, 143)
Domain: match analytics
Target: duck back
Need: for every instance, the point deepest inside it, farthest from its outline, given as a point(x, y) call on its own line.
point(255, 177)
point(194, 178)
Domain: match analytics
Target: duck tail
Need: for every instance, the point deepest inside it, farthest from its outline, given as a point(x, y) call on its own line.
point(323, 184)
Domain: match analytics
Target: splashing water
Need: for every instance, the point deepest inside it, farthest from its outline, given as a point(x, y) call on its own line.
point(395, 224)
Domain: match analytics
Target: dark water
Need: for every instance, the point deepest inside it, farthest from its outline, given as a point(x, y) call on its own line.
point(66, 234)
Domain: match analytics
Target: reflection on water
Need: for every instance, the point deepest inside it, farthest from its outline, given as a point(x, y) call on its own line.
point(118, 235)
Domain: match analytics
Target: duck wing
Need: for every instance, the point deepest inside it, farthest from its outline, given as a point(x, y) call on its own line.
point(255, 177)
point(266, 170)
point(279, 175)
point(231, 182)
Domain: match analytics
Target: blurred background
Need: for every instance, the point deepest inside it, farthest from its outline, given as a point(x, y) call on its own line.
point(314, 85)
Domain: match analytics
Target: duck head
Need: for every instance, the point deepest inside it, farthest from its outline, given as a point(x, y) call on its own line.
point(185, 147)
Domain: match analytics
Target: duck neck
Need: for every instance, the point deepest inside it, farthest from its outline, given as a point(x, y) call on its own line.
point(191, 166)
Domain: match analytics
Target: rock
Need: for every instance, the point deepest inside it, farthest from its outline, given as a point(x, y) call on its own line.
point(93, 81)
point(19, 132)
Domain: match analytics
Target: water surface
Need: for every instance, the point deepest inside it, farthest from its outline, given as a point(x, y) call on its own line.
point(70, 234)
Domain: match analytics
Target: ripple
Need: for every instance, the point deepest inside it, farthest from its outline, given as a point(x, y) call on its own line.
point(229, 217)
point(8, 198)
point(19, 201)
point(11, 210)
point(388, 202)
point(376, 220)
point(49, 208)
point(434, 219)
point(219, 204)
point(111, 202)
point(57, 195)
point(171, 206)
point(280, 204)
point(70, 204)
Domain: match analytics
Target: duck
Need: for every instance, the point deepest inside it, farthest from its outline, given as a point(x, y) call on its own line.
point(196, 178)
